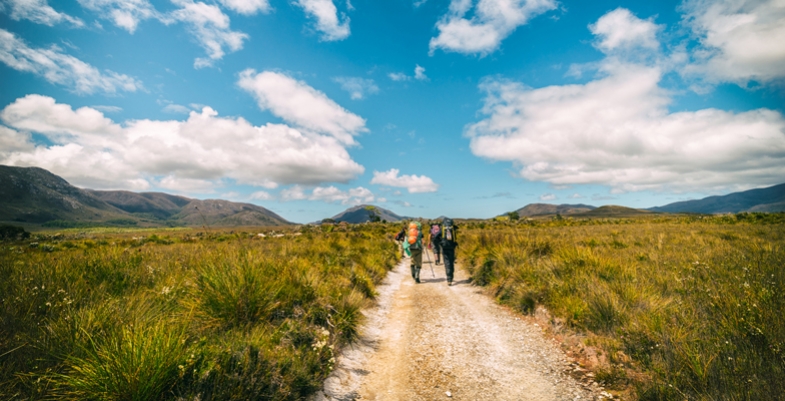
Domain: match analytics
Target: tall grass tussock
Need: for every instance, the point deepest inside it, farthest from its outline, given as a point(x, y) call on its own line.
point(175, 314)
point(680, 308)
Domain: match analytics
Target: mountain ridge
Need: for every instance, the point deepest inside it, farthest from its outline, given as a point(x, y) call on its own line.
point(35, 195)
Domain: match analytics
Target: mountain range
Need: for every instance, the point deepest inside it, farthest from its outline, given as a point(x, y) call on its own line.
point(34, 195)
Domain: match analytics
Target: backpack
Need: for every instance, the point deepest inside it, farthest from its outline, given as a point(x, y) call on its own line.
point(414, 235)
point(449, 232)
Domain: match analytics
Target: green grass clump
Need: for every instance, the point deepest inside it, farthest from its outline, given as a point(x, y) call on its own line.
point(690, 306)
point(177, 314)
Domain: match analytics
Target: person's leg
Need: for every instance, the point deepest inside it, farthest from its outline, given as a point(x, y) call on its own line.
point(417, 263)
point(449, 263)
point(437, 250)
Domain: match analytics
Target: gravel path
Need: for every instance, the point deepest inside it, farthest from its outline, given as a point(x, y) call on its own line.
point(429, 341)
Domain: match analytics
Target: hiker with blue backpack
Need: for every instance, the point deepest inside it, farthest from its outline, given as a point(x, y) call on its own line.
point(449, 241)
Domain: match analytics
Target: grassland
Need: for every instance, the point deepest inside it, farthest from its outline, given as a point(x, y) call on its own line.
point(113, 314)
point(679, 308)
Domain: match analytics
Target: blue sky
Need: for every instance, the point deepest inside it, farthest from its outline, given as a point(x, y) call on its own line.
point(466, 108)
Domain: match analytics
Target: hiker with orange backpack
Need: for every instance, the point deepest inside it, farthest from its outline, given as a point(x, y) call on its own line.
point(413, 247)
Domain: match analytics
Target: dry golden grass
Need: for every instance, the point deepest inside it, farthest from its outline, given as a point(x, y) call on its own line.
point(680, 307)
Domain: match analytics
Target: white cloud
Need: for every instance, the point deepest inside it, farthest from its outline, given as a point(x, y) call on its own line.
point(59, 68)
point(247, 7)
point(210, 27)
point(354, 196)
point(399, 76)
point(294, 193)
point(40, 12)
point(327, 21)
point(620, 29)
point(331, 194)
point(192, 155)
point(14, 141)
point(741, 40)
point(413, 183)
point(176, 109)
point(357, 87)
point(576, 196)
point(125, 14)
point(491, 22)
point(261, 195)
point(617, 131)
point(302, 105)
point(187, 185)
point(108, 109)
point(419, 73)
point(547, 197)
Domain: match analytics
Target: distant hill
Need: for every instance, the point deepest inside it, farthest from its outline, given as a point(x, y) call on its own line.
point(157, 204)
point(34, 195)
point(771, 199)
point(613, 211)
point(543, 209)
point(364, 213)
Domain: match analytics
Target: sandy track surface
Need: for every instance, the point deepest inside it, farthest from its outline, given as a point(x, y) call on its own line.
point(429, 341)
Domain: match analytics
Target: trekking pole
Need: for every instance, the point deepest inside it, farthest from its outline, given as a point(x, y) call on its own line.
point(429, 262)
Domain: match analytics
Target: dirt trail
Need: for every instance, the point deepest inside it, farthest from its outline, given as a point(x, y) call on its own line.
point(429, 341)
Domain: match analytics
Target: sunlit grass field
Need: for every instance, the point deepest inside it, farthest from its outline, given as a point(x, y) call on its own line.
point(112, 314)
point(680, 308)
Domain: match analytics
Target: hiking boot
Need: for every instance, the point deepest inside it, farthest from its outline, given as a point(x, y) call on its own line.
point(449, 283)
point(417, 280)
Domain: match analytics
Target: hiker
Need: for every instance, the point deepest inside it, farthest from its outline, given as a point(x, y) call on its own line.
point(400, 237)
point(449, 236)
point(435, 241)
point(414, 244)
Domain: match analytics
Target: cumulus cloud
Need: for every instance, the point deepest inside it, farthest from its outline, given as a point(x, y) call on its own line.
point(621, 29)
point(299, 104)
point(125, 14)
point(479, 26)
point(547, 197)
point(210, 26)
point(59, 68)
point(176, 109)
point(357, 87)
point(261, 195)
point(741, 40)
point(413, 183)
point(617, 131)
point(296, 192)
point(353, 196)
point(247, 7)
point(14, 141)
point(108, 109)
point(419, 73)
point(196, 154)
point(331, 194)
point(399, 76)
point(38, 11)
point(327, 21)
